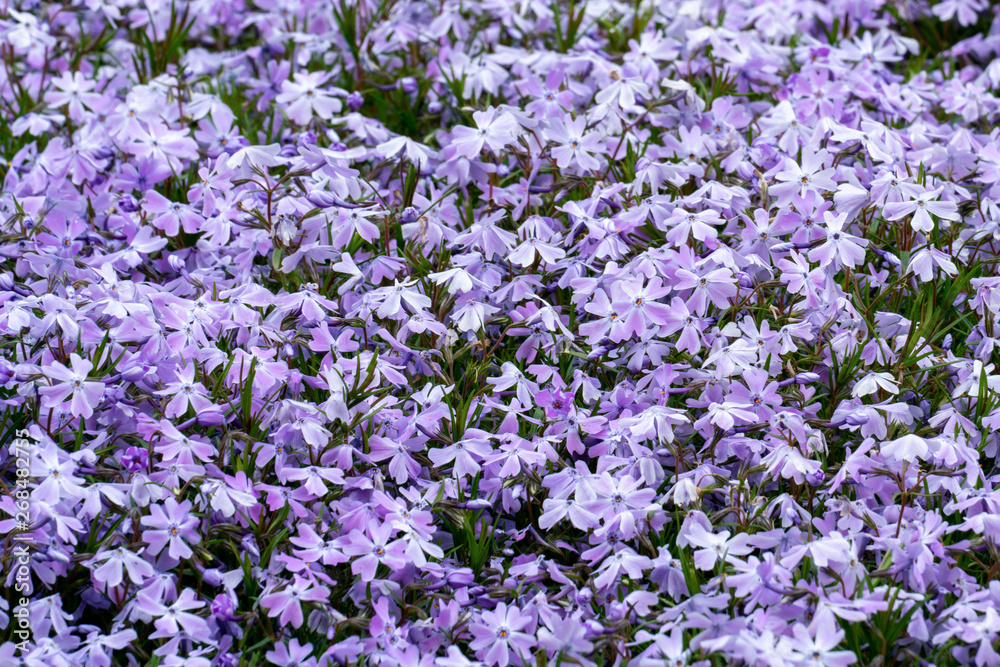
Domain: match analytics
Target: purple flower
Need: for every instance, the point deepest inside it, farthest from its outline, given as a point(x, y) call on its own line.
point(110, 572)
point(369, 553)
point(556, 403)
point(286, 604)
point(173, 526)
point(498, 632)
point(72, 385)
point(922, 207)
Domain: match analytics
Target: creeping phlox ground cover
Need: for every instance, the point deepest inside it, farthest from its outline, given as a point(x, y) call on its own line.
point(461, 332)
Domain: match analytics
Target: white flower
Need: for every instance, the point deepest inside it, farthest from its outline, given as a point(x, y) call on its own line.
point(908, 448)
point(872, 382)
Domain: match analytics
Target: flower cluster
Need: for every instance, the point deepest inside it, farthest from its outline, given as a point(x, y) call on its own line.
point(474, 332)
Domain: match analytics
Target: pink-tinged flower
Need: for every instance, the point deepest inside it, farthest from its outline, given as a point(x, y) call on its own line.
point(287, 603)
point(173, 526)
point(498, 632)
point(374, 551)
point(565, 635)
point(556, 403)
point(83, 395)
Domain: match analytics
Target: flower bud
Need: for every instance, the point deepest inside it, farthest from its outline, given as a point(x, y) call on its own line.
point(460, 577)
point(857, 419)
point(249, 545)
point(58, 555)
point(745, 171)
point(135, 373)
point(355, 101)
point(135, 459)
point(128, 204)
point(103, 152)
point(408, 85)
point(892, 259)
point(479, 504)
point(223, 607)
point(409, 215)
point(212, 576)
point(321, 199)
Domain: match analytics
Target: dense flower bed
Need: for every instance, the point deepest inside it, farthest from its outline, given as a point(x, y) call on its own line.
point(488, 332)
